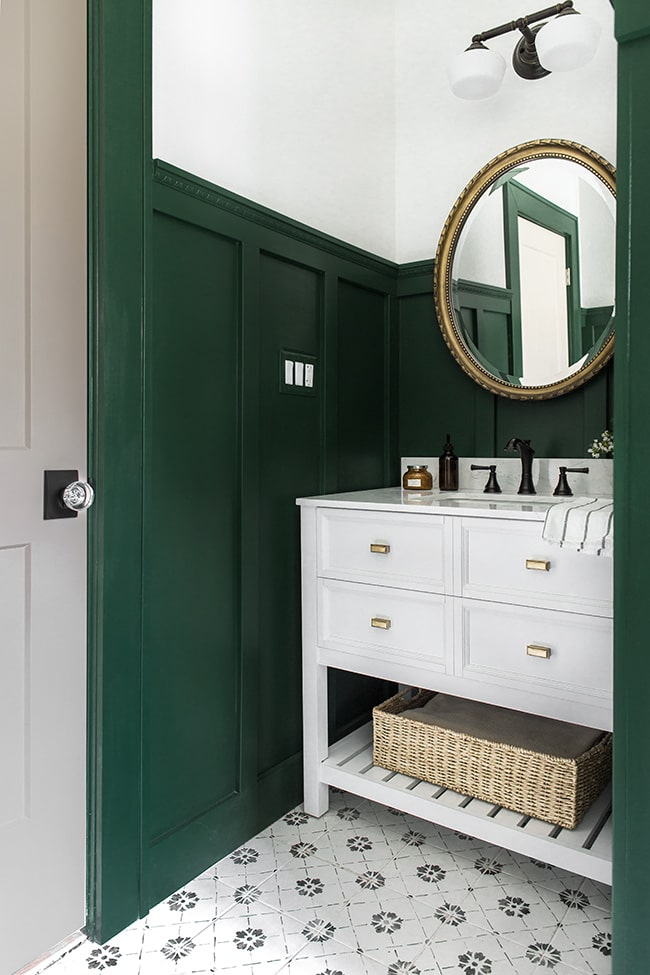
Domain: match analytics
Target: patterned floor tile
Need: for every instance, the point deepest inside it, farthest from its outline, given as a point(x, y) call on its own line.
point(359, 846)
point(586, 945)
point(296, 887)
point(387, 922)
point(257, 943)
point(486, 866)
point(418, 869)
point(196, 901)
point(336, 959)
point(509, 906)
point(441, 838)
point(244, 900)
point(253, 861)
point(548, 948)
point(475, 952)
point(600, 898)
point(178, 949)
point(546, 874)
point(95, 959)
point(365, 890)
point(129, 941)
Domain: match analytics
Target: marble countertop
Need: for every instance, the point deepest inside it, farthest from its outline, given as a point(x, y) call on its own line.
point(521, 507)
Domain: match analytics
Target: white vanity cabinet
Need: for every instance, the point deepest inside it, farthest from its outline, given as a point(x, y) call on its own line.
point(463, 597)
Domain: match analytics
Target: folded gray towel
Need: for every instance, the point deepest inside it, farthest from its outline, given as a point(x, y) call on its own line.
point(529, 731)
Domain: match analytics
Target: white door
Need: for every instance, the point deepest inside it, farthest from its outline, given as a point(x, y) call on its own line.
point(544, 336)
point(42, 426)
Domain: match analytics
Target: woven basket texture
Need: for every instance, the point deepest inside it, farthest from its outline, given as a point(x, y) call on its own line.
point(556, 790)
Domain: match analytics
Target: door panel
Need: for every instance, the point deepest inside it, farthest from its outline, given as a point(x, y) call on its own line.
point(191, 645)
point(542, 263)
point(14, 584)
point(42, 426)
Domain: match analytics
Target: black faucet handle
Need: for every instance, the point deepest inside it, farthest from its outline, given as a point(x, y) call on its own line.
point(562, 488)
point(492, 486)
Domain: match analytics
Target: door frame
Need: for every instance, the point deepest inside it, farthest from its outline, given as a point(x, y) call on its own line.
point(632, 513)
point(119, 215)
point(119, 169)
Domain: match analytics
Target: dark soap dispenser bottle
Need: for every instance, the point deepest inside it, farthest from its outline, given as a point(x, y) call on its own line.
point(448, 468)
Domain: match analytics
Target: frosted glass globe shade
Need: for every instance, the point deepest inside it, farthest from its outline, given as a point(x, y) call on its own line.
point(567, 42)
point(476, 73)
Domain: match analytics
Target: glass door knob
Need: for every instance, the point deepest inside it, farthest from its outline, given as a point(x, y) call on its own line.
point(78, 495)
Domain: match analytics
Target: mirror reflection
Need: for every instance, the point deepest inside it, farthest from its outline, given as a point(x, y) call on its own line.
point(529, 283)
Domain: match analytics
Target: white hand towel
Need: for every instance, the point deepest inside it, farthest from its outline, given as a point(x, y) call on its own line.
point(582, 524)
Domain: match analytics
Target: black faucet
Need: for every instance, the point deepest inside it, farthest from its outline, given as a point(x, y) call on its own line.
point(526, 486)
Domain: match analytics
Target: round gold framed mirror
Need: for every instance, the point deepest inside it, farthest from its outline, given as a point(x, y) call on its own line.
point(524, 271)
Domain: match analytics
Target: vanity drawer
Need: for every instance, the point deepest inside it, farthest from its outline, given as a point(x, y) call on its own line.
point(384, 623)
point(409, 552)
point(511, 563)
point(567, 655)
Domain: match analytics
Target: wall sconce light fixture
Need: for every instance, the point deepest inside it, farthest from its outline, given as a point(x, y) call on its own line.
point(566, 42)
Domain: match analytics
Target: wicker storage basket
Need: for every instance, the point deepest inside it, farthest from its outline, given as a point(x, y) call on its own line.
point(556, 790)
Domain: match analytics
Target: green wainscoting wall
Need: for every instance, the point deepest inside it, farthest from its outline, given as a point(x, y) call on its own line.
point(227, 449)
point(436, 396)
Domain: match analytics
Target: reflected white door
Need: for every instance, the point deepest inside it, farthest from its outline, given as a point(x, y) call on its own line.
point(544, 336)
point(42, 426)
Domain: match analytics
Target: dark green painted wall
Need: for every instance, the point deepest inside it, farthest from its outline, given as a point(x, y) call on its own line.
point(632, 512)
point(436, 396)
point(227, 449)
point(191, 678)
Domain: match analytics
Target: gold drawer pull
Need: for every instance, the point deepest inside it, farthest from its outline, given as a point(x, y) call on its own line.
point(379, 548)
point(534, 651)
point(380, 623)
point(542, 564)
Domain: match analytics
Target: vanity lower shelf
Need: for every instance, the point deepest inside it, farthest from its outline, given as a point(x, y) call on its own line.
point(585, 850)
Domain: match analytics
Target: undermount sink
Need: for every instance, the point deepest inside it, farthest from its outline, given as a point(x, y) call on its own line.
point(478, 499)
point(502, 498)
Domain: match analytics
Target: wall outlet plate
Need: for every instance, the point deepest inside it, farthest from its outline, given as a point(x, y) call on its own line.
point(298, 373)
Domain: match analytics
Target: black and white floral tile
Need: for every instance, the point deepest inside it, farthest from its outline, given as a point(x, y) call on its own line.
point(365, 890)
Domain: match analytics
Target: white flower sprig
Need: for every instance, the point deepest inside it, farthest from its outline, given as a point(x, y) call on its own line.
point(602, 446)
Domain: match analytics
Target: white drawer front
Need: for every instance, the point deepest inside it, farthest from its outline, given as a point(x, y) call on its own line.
point(409, 552)
point(384, 623)
point(564, 654)
point(510, 563)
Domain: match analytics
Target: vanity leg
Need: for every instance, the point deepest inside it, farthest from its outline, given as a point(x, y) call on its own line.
point(314, 677)
point(315, 738)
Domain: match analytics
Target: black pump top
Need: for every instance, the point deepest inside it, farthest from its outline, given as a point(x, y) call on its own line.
point(449, 447)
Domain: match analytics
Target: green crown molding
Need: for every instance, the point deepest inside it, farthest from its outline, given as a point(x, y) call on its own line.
point(485, 290)
point(415, 268)
point(201, 189)
point(415, 278)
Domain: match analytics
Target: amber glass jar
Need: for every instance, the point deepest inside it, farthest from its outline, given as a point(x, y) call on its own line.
point(417, 478)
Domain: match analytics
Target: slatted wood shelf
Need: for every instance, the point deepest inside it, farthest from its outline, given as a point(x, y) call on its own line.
point(585, 850)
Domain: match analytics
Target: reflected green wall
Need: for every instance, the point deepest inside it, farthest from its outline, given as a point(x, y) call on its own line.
point(436, 396)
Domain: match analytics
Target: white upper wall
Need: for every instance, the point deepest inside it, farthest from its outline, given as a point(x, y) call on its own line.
point(337, 112)
point(442, 141)
point(290, 103)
